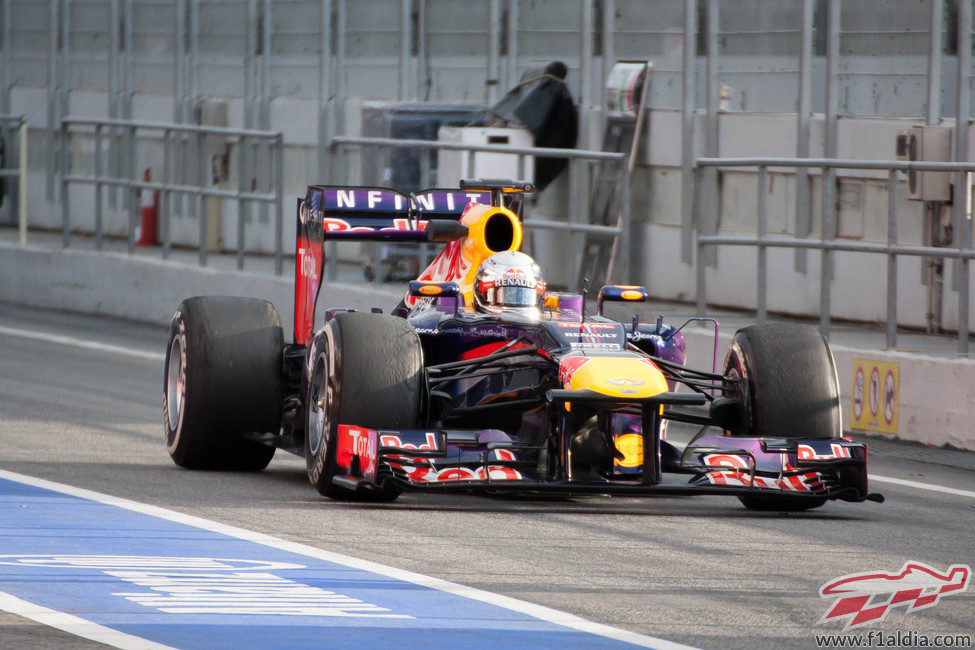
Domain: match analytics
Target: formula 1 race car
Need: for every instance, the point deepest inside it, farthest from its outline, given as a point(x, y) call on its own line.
point(482, 380)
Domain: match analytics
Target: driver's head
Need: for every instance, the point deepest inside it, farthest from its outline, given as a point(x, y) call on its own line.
point(508, 281)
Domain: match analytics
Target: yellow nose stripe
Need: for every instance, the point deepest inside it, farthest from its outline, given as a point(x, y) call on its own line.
point(623, 376)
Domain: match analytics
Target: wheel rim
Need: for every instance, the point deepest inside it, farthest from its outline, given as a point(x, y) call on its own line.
point(317, 415)
point(175, 382)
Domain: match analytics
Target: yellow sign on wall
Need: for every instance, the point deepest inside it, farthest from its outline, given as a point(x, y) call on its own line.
point(873, 396)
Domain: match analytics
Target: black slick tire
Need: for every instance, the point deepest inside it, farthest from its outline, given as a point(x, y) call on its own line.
point(370, 374)
point(223, 379)
point(788, 388)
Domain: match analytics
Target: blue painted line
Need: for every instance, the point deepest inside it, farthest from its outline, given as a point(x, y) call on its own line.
point(189, 587)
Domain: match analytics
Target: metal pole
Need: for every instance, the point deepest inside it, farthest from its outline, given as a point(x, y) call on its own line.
point(803, 114)
point(511, 28)
point(701, 291)
point(762, 265)
point(961, 208)
point(585, 59)
point(403, 91)
point(494, 52)
point(165, 197)
point(710, 221)
point(22, 182)
point(179, 59)
point(65, 170)
point(98, 187)
point(625, 239)
point(829, 173)
point(934, 62)
point(512, 39)
point(609, 46)
point(324, 87)
point(6, 16)
point(132, 192)
point(278, 204)
point(198, 202)
point(687, 133)
point(892, 208)
point(243, 175)
point(52, 89)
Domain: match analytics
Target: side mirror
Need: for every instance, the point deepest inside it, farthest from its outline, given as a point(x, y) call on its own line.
point(620, 293)
point(422, 289)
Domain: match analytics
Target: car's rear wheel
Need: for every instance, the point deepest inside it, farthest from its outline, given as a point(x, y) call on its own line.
point(369, 374)
point(223, 379)
point(787, 388)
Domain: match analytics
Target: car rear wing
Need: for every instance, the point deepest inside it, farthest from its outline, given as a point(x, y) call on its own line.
point(341, 213)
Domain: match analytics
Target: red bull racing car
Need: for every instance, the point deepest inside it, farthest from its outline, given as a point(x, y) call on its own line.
point(482, 380)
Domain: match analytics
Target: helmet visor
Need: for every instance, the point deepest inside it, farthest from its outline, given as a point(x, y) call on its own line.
point(516, 297)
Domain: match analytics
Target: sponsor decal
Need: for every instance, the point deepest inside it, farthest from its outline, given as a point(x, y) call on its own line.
point(862, 598)
point(202, 585)
point(570, 366)
point(808, 482)
point(806, 452)
point(631, 446)
point(873, 398)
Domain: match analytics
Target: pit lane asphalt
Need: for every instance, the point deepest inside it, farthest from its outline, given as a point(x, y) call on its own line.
point(701, 571)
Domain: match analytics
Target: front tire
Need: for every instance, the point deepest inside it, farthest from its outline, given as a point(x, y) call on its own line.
point(787, 388)
point(223, 379)
point(369, 374)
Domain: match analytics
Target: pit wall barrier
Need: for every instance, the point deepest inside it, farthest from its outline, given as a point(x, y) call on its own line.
point(935, 396)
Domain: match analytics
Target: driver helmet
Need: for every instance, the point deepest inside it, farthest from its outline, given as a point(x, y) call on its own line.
point(508, 281)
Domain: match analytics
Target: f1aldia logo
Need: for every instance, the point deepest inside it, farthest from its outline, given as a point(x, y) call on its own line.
point(862, 598)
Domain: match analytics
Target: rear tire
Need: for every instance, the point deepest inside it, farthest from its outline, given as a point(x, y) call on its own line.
point(788, 389)
point(223, 379)
point(370, 374)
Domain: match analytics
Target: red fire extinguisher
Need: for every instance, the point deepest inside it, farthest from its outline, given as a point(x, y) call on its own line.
point(148, 200)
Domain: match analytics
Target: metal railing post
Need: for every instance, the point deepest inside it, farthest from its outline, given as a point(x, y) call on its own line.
point(279, 205)
point(625, 237)
point(198, 202)
point(132, 194)
point(98, 187)
point(22, 182)
point(892, 215)
point(65, 169)
point(701, 267)
point(165, 197)
point(762, 262)
point(243, 161)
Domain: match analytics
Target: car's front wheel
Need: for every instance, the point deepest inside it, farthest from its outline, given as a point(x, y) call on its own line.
point(785, 381)
point(369, 374)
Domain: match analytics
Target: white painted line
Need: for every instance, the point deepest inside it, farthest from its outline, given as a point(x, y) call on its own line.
point(541, 612)
point(82, 343)
point(922, 486)
point(74, 625)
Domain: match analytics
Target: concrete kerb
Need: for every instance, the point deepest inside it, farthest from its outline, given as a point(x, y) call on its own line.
point(936, 395)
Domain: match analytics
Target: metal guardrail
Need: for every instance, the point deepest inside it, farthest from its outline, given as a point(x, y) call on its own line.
point(828, 243)
point(18, 122)
point(621, 230)
point(173, 136)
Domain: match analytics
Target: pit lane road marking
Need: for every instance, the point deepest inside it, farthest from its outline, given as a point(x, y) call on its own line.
point(539, 612)
point(82, 343)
